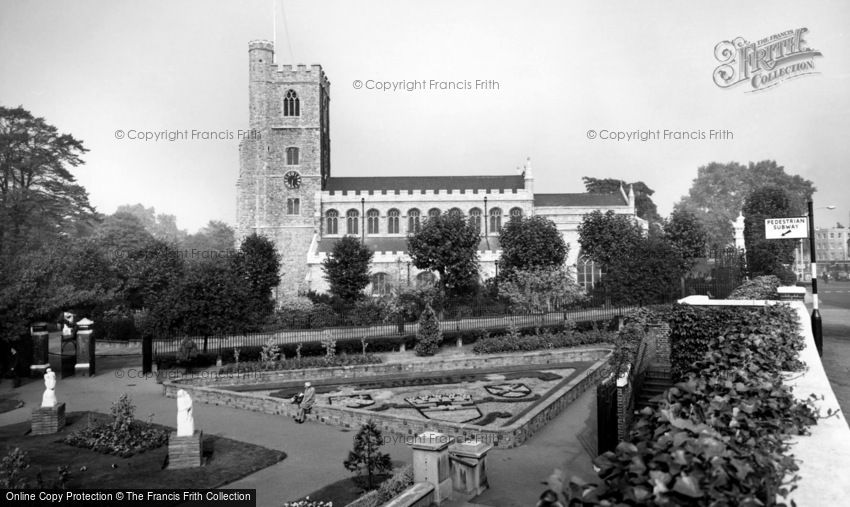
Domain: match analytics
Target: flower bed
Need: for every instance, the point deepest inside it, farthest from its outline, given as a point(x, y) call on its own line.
point(122, 435)
point(721, 436)
point(302, 363)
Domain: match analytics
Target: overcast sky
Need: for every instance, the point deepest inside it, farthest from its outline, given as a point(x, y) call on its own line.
point(563, 68)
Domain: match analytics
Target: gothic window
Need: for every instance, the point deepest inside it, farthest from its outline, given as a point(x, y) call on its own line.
point(433, 212)
point(392, 221)
point(516, 213)
point(352, 217)
point(475, 219)
point(381, 285)
point(456, 212)
point(292, 156)
point(333, 222)
point(291, 104)
point(372, 218)
point(413, 221)
point(425, 279)
point(495, 220)
point(293, 207)
point(588, 273)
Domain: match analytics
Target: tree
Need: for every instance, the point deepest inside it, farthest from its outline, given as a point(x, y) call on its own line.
point(687, 235)
point(212, 242)
point(539, 289)
point(346, 268)
point(258, 264)
point(644, 206)
point(447, 244)
point(160, 226)
point(366, 458)
point(531, 243)
point(40, 200)
point(429, 335)
point(768, 256)
point(717, 194)
point(649, 273)
point(606, 237)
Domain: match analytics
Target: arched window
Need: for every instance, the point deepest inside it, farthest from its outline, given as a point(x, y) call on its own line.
point(413, 221)
point(425, 279)
point(588, 273)
point(392, 221)
point(372, 221)
point(291, 104)
point(456, 212)
point(293, 206)
point(433, 212)
point(495, 220)
point(475, 219)
point(516, 213)
point(381, 285)
point(292, 156)
point(352, 217)
point(332, 216)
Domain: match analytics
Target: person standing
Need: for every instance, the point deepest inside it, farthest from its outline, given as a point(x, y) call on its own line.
point(307, 402)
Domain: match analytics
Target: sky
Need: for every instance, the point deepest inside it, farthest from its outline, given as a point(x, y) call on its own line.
point(562, 68)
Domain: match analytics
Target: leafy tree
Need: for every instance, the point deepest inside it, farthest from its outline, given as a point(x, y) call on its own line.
point(768, 257)
point(644, 206)
point(687, 235)
point(531, 243)
point(366, 459)
point(258, 264)
point(346, 268)
point(607, 237)
point(120, 234)
point(160, 226)
point(538, 289)
point(212, 242)
point(717, 194)
point(649, 273)
point(40, 200)
point(447, 244)
point(429, 336)
point(148, 272)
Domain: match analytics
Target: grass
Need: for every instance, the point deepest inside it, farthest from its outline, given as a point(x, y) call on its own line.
point(225, 460)
point(343, 492)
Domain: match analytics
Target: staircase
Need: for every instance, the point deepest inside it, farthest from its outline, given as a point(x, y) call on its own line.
point(656, 380)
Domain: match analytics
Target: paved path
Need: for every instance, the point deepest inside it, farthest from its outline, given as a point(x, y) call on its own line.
point(315, 451)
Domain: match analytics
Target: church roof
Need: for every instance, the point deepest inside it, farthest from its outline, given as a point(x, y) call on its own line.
point(398, 244)
point(579, 200)
point(405, 183)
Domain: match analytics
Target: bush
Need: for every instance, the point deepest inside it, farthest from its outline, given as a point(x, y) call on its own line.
point(760, 287)
point(388, 489)
point(123, 436)
point(367, 312)
point(514, 342)
point(187, 352)
point(721, 437)
point(116, 324)
point(13, 466)
point(303, 362)
point(429, 336)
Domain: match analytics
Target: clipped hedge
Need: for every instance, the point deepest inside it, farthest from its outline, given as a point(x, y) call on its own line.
point(720, 437)
point(302, 363)
point(692, 329)
point(516, 342)
point(760, 287)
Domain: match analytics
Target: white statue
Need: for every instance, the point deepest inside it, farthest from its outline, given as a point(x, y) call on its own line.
point(49, 398)
point(185, 420)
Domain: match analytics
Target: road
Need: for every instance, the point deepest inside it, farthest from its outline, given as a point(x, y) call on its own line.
point(835, 314)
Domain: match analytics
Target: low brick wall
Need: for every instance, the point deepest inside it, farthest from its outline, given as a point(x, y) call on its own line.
point(406, 428)
point(420, 494)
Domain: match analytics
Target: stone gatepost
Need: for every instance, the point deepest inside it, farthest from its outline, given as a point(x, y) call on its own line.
point(40, 341)
point(468, 467)
point(791, 293)
point(431, 463)
point(85, 348)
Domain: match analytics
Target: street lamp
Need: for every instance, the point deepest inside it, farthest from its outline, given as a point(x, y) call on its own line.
point(817, 324)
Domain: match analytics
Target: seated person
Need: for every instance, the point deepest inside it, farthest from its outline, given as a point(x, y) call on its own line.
point(308, 399)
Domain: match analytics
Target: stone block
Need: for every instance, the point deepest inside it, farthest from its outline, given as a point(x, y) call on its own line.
point(48, 420)
point(185, 452)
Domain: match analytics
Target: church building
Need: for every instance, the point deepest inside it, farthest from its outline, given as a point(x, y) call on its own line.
point(286, 192)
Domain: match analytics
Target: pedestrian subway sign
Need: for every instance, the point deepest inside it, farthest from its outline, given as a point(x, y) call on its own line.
point(786, 228)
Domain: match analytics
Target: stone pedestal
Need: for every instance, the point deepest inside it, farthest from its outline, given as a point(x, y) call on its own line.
point(185, 452)
point(791, 293)
point(40, 359)
point(468, 469)
point(431, 463)
point(85, 348)
point(48, 420)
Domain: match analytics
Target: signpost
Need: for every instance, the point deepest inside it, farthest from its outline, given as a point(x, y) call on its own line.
point(786, 228)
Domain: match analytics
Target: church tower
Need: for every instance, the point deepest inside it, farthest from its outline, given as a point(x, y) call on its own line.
point(285, 161)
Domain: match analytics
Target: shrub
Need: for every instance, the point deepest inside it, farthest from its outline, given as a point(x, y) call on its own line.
point(123, 436)
point(368, 311)
point(269, 354)
point(760, 287)
point(540, 341)
point(429, 336)
point(301, 363)
point(13, 466)
point(187, 351)
point(366, 459)
point(720, 437)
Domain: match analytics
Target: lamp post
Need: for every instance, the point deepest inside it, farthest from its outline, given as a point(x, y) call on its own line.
point(817, 324)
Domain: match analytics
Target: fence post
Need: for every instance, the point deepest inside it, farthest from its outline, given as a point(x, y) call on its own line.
point(147, 354)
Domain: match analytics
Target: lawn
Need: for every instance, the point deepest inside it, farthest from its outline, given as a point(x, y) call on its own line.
point(225, 460)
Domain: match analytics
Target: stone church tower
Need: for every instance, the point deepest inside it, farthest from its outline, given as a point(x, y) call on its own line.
point(286, 163)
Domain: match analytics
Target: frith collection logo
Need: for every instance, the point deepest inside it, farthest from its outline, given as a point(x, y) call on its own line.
point(766, 63)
